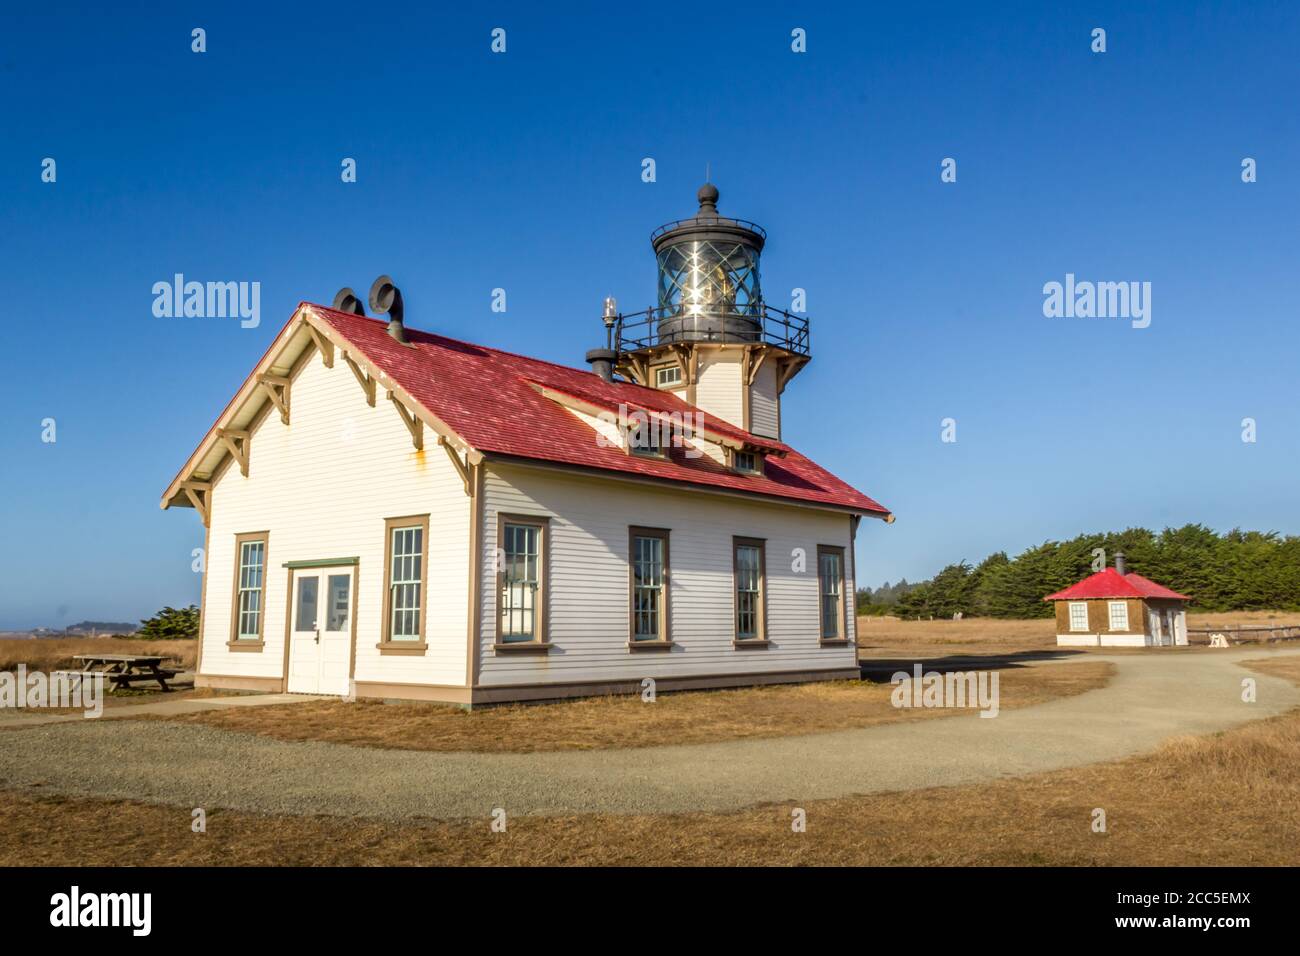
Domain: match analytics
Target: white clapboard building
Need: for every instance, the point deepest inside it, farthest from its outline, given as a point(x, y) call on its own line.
point(395, 514)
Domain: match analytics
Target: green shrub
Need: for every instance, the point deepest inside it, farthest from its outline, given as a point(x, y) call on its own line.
point(171, 624)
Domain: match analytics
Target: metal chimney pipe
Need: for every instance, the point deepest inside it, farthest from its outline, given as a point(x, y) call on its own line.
point(345, 300)
point(386, 297)
point(1120, 565)
point(602, 362)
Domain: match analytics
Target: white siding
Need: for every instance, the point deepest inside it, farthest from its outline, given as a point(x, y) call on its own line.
point(851, 590)
point(764, 403)
point(606, 428)
point(719, 388)
point(322, 486)
point(587, 579)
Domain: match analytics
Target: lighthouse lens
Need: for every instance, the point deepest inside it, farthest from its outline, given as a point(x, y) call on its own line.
point(708, 278)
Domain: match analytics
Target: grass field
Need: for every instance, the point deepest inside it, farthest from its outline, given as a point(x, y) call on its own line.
point(604, 722)
point(889, 637)
point(56, 653)
point(1228, 799)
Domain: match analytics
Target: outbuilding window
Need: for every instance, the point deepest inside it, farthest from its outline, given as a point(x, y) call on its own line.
point(1119, 615)
point(1078, 616)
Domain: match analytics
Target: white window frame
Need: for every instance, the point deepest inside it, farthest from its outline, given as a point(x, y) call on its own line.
point(1122, 607)
point(1079, 605)
point(755, 456)
point(659, 376)
point(649, 439)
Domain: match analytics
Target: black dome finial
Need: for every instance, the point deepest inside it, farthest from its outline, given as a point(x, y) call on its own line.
point(708, 198)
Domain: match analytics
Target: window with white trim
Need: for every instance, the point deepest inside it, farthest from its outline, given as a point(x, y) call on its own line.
point(648, 436)
point(1119, 615)
point(747, 462)
point(666, 376)
point(1078, 616)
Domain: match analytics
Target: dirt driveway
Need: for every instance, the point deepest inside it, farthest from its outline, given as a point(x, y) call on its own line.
point(1150, 698)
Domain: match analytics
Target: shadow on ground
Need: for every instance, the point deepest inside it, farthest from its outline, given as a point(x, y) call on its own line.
point(880, 671)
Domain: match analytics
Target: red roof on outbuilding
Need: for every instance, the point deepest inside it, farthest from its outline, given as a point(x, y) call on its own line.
point(1111, 584)
point(491, 400)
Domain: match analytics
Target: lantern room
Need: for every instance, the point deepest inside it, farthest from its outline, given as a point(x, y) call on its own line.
point(711, 337)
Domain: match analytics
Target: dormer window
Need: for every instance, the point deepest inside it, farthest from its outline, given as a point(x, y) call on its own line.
point(747, 462)
point(646, 437)
point(668, 376)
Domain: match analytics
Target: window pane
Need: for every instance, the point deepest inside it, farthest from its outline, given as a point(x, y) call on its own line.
point(404, 585)
point(340, 589)
point(520, 582)
point(251, 560)
point(1078, 617)
point(306, 616)
point(671, 375)
point(748, 576)
point(647, 588)
point(831, 580)
point(1118, 616)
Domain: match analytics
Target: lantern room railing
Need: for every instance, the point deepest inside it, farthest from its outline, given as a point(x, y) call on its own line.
point(705, 221)
point(754, 324)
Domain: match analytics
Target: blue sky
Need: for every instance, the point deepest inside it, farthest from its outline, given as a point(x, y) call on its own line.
point(522, 171)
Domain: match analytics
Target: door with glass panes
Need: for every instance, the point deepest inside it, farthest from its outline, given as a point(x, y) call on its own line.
point(320, 639)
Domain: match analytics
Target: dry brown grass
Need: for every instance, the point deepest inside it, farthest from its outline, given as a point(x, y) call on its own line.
point(1288, 667)
point(1229, 799)
point(56, 653)
point(890, 637)
point(603, 722)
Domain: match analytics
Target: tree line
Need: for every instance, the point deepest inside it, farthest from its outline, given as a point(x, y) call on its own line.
point(1234, 571)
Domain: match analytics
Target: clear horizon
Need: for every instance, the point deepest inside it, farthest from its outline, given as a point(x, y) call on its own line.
point(522, 171)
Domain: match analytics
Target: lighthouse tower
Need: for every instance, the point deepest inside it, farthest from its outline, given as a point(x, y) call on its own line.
point(711, 338)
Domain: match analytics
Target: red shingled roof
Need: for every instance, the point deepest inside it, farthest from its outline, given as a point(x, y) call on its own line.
point(490, 399)
point(1111, 584)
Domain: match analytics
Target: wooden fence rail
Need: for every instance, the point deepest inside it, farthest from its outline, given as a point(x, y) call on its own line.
point(1247, 633)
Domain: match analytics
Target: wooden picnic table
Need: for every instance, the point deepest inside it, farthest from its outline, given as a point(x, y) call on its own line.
point(124, 669)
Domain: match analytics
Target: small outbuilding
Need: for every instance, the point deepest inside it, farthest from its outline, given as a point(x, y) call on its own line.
point(1117, 608)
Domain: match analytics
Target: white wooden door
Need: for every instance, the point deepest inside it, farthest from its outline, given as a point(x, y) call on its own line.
point(320, 642)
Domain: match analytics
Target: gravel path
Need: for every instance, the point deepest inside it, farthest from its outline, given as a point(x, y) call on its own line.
point(1152, 697)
